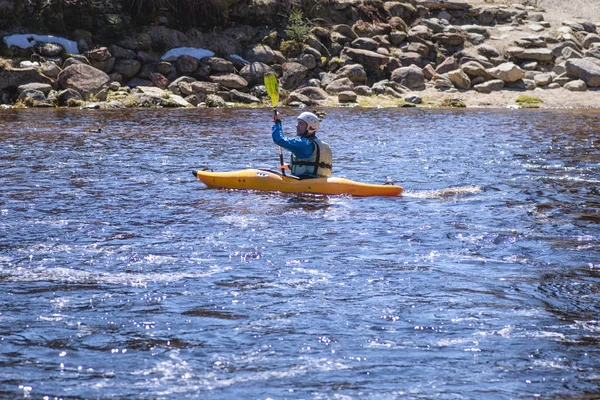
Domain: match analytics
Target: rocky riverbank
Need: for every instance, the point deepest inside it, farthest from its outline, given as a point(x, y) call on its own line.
point(357, 52)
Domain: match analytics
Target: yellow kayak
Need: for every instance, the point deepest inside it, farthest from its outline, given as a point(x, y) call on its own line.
point(265, 180)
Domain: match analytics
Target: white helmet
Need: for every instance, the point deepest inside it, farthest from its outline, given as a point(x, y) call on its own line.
point(311, 120)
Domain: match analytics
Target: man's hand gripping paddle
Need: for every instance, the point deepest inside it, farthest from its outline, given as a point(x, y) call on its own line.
point(273, 91)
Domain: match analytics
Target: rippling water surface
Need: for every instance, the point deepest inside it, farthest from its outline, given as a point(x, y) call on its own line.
point(121, 276)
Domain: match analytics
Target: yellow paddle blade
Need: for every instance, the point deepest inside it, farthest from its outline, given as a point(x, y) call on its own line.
point(272, 88)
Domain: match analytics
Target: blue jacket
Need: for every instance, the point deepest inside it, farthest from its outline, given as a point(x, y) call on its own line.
point(301, 147)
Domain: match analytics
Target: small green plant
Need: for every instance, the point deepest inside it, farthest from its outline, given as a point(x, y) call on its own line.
point(452, 102)
point(291, 48)
point(529, 101)
point(297, 29)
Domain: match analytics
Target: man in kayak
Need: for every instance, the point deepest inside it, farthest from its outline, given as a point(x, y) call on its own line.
point(311, 157)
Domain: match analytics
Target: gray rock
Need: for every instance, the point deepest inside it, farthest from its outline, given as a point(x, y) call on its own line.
point(264, 54)
point(45, 88)
point(218, 64)
point(214, 101)
point(254, 72)
point(230, 81)
point(355, 72)
point(490, 86)
point(85, 79)
point(543, 79)
point(363, 90)
point(576, 86)
point(293, 74)
point(488, 51)
point(411, 76)
point(460, 79)
point(474, 69)
point(584, 69)
point(120, 52)
point(340, 85)
point(313, 93)
point(365, 44)
point(347, 97)
point(68, 96)
point(186, 65)
point(590, 39)
point(48, 49)
point(508, 72)
point(413, 99)
point(127, 68)
point(240, 97)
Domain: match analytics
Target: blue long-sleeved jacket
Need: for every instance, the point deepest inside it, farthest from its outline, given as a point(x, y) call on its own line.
point(301, 147)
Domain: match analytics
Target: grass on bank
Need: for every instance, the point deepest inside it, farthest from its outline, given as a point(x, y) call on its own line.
point(529, 101)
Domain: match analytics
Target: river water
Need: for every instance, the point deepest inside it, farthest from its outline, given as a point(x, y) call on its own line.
point(122, 276)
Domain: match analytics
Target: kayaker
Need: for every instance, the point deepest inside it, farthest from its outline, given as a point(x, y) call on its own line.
point(311, 157)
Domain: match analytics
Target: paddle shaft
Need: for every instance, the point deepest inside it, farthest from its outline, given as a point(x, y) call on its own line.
point(279, 147)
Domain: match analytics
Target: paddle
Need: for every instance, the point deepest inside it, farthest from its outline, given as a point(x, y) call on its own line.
point(273, 91)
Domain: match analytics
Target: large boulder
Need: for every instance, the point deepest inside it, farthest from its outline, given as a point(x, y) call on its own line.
point(460, 79)
point(584, 69)
point(340, 85)
point(127, 68)
point(84, 78)
point(254, 72)
point(368, 59)
point(230, 81)
point(355, 72)
point(293, 74)
point(508, 72)
point(264, 54)
point(411, 76)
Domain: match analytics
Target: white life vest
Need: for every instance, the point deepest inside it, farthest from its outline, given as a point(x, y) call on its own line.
point(317, 165)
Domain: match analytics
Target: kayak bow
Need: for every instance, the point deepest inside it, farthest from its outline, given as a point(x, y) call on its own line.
point(265, 180)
